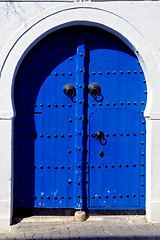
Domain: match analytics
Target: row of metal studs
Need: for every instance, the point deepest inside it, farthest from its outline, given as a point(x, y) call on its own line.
point(48, 197)
point(93, 197)
point(93, 104)
point(70, 74)
point(62, 167)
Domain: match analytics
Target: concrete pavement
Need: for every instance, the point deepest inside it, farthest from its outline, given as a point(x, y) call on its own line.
point(95, 227)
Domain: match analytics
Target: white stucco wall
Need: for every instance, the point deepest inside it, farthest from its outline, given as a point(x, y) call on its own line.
point(22, 24)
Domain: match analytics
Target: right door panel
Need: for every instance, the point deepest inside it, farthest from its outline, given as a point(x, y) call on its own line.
point(116, 165)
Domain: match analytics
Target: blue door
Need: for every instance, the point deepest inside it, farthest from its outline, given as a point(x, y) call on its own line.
point(79, 130)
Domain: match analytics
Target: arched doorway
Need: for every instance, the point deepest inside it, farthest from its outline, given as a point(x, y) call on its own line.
point(87, 149)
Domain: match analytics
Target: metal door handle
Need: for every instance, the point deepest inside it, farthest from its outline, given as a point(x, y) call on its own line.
point(99, 135)
point(94, 89)
point(69, 90)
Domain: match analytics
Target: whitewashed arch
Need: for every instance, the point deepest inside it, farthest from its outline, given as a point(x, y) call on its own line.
point(115, 21)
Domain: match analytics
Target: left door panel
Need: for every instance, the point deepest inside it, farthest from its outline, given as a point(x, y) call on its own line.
point(44, 139)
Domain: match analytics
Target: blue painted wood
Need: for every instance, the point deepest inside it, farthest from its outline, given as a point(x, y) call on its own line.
point(57, 161)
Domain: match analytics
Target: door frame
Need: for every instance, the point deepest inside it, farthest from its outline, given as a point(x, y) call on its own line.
point(91, 14)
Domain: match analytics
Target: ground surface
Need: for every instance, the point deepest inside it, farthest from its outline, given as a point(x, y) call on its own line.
point(95, 227)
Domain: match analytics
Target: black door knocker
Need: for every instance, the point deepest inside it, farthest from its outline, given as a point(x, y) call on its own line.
point(69, 90)
point(94, 89)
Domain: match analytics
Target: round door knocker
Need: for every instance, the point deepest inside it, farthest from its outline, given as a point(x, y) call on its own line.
point(94, 89)
point(99, 136)
point(69, 90)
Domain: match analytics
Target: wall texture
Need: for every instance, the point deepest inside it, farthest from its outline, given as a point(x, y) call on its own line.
point(22, 24)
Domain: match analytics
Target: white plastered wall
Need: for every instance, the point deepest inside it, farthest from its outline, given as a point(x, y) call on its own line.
point(139, 30)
